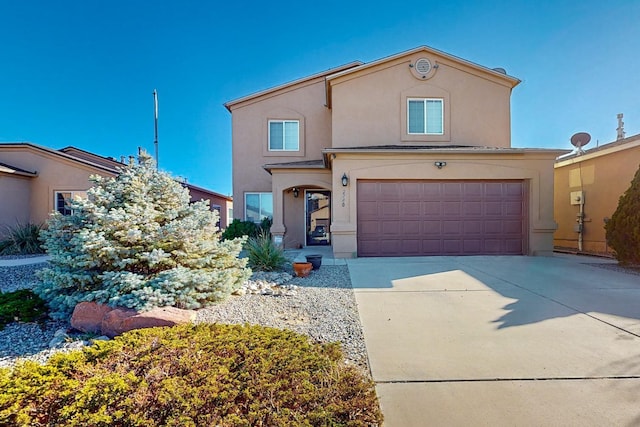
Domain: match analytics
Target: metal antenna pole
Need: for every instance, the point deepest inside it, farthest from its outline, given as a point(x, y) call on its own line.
point(155, 141)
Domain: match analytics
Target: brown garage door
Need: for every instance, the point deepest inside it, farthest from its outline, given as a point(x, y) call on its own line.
point(408, 218)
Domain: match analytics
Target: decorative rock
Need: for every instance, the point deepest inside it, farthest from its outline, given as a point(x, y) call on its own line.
point(122, 320)
point(59, 338)
point(87, 316)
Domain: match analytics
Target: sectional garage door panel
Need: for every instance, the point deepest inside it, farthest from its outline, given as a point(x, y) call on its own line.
point(408, 218)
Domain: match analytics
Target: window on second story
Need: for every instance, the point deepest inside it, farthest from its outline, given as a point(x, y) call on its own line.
point(284, 135)
point(258, 206)
point(425, 116)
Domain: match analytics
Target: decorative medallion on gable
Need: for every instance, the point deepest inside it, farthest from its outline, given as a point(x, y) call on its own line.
point(423, 68)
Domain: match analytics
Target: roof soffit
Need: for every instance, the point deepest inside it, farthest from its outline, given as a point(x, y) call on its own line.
point(286, 87)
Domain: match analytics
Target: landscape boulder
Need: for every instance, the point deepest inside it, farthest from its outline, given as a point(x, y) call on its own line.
point(101, 319)
point(121, 320)
point(87, 316)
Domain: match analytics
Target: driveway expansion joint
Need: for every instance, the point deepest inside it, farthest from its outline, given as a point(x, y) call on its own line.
point(480, 380)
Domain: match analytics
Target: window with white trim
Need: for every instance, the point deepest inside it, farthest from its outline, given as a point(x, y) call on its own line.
point(425, 116)
point(258, 206)
point(62, 202)
point(284, 135)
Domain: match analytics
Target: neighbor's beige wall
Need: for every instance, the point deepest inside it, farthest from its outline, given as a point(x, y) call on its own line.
point(54, 174)
point(603, 179)
point(368, 107)
point(535, 167)
point(225, 204)
point(15, 194)
point(304, 102)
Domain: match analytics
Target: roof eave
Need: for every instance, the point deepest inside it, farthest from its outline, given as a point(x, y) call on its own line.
point(230, 104)
point(513, 80)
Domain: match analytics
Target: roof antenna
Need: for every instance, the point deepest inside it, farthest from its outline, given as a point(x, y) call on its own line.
point(620, 128)
point(155, 125)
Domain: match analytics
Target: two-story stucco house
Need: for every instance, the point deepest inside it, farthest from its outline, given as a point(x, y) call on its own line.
point(407, 155)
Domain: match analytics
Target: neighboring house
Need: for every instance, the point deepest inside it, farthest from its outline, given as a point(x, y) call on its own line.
point(412, 153)
point(592, 181)
point(36, 180)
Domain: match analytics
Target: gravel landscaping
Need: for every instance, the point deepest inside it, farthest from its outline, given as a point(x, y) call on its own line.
point(321, 306)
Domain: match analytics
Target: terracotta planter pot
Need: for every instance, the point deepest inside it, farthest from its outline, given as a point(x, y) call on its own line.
point(302, 269)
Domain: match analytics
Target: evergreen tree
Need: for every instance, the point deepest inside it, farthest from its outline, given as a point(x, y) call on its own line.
point(137, 242)
point(623, 229)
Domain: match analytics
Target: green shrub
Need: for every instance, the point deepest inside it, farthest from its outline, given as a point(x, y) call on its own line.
point(22, 239)
point(263, 254)
point(138, 242)
point(623, 229)
point(239, 228)
point(202, 375)
point(22, 305)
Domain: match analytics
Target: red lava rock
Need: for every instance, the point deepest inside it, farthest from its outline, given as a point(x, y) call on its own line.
point(122, 320)
point(87, 316)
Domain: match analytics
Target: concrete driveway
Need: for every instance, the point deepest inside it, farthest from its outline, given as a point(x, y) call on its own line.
point(501, 340)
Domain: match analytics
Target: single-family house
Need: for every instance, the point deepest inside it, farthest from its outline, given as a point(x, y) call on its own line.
point(588, 186)
point(36, 180)
point(407, 155)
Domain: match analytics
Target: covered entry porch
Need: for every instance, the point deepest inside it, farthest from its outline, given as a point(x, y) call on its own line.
point(302, 204)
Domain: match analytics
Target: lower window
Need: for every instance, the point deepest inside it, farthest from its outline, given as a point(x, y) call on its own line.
point(63, 202)
point(258, 206)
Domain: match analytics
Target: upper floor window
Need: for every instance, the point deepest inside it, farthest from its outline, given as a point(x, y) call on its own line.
point(258, 206)
point(63, 202)
point(284, 135)
point(425, 116)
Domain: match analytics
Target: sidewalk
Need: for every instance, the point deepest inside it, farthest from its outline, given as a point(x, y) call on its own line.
point(23, 261)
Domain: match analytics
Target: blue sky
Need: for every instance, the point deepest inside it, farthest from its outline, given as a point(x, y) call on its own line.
point(82, 72)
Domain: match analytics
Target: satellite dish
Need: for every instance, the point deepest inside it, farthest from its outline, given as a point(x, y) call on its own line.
point(500, 70)
point(580, 139)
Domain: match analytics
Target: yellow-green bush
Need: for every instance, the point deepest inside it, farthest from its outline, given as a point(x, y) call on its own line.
point(203, 375)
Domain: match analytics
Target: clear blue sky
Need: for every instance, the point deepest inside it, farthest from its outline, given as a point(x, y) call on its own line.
point(82, 72)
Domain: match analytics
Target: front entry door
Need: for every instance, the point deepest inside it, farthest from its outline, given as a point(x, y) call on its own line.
point(318, 214)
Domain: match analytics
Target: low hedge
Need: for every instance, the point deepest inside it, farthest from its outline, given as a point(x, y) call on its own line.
point(202, 375)
point(21, 306)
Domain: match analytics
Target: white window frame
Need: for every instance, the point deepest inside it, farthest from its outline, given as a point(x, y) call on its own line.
point(260, 208)
point(424, 109)
point(72, 194)
point(284, 148)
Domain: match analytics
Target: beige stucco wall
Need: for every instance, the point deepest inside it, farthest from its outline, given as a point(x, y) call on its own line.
point(603, 177)
point(15, 193)
point(535, 167)
point(369, 106)
point(214, 200)
point(55, 173)
point(304, 102)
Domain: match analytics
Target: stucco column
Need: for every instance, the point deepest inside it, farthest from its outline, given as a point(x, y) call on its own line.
point(343, 227)
point(277, 228)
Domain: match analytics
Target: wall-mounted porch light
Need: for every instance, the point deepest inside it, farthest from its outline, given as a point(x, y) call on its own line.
point(345, 179)
point(440, 165)
point(295, 192)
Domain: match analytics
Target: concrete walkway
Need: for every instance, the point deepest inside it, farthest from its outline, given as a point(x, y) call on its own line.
point(501, 340)
point(23, 261)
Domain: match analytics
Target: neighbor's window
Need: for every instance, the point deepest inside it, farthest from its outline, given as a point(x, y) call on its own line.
point(258, 206)
point(284, 135)
point(425, 116)
point(63, 202)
